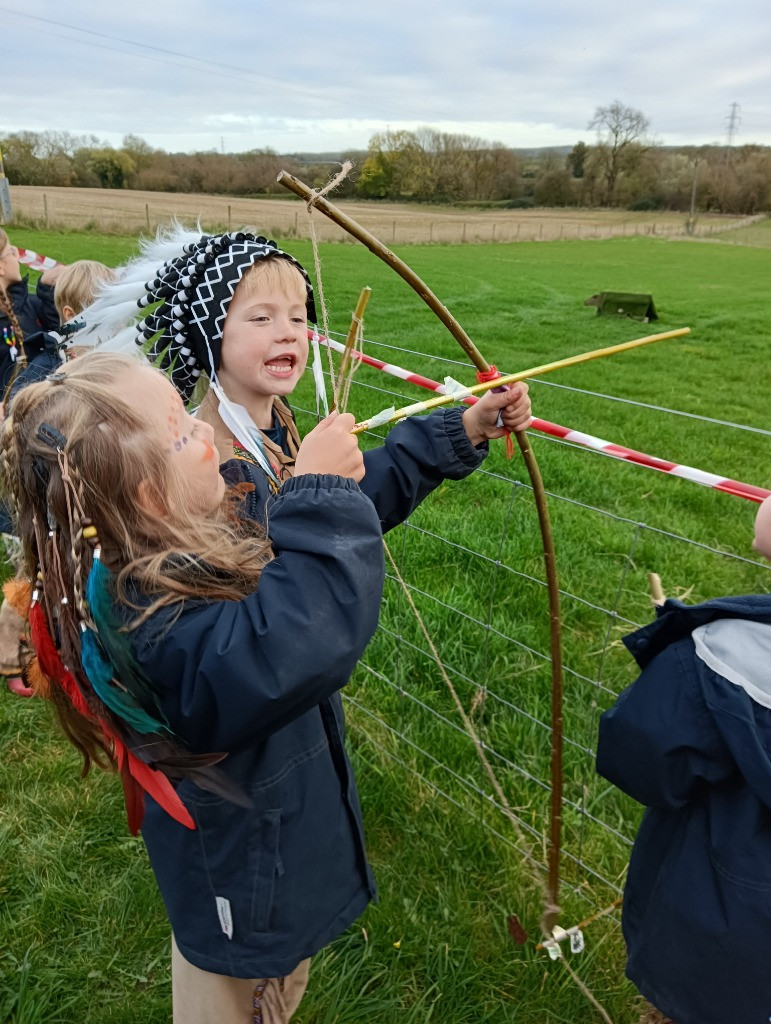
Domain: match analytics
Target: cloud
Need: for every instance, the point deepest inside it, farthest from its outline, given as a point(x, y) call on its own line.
point(300, 74)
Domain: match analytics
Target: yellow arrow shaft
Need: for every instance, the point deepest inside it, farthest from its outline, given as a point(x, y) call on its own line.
point(534, 371)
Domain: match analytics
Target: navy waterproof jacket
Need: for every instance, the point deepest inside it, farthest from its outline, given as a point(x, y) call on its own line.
point(34, 312)
point(252, 892)
point(691, 739)
point(43, 351)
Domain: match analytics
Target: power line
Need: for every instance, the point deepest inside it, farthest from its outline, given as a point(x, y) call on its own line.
point(201, 64)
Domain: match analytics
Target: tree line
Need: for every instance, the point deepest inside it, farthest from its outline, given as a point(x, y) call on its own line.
point(622, 166)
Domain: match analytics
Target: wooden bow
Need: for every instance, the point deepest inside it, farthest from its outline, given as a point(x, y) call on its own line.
point(293, 184)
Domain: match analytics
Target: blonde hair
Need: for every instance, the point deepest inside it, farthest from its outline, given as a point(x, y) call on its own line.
point(274, 272)
point(102, 452)
point(78, 284)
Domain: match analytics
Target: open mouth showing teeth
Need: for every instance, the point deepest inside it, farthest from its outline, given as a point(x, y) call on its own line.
point(283, 364)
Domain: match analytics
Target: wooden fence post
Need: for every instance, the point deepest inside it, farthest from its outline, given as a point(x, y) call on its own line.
point(45, 208)
point(147, 215)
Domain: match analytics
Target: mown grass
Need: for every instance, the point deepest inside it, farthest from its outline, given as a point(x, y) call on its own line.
point(84, 936)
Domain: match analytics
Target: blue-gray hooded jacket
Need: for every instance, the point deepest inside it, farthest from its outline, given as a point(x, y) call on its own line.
point(252, 892)
point(691, 739)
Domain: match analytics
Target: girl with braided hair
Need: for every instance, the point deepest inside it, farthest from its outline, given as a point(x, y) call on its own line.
point(203, 659)
point(21, 314)
point(160, 626)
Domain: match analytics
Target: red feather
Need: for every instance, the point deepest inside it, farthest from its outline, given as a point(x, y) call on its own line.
point(139, 778)
point(133, 794)
point(160, 789)
point(51, 662)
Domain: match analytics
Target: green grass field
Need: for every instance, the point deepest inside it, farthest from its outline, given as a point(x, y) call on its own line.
point(83, 935)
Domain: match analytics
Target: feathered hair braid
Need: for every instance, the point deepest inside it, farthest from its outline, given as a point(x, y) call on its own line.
point(72, 448)
point(43, 541)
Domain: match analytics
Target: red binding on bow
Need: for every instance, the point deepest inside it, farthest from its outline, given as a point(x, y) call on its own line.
point(483, 376)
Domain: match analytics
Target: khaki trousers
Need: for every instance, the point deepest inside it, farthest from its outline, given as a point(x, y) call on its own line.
point(200, 997)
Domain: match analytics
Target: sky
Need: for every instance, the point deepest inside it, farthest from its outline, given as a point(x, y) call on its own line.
point(307, 76)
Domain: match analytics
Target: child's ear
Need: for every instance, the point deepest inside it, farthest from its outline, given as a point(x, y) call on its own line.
point(150, 501)
point(67, 314)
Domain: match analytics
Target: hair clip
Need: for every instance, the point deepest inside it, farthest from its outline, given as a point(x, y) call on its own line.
point(50, 435)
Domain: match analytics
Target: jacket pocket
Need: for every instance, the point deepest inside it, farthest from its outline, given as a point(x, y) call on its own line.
point(265, 861)
point(235, 853)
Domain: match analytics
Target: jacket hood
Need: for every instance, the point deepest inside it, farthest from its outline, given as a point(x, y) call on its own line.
point(732, 647)
point(740, 651)
point(676, 620)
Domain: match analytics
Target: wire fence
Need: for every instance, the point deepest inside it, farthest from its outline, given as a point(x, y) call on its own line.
point(470, 557)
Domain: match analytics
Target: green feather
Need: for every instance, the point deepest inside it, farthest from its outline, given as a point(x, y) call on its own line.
point(109, 663)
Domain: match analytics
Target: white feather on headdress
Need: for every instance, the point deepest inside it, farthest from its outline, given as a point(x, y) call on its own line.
point(111, 317)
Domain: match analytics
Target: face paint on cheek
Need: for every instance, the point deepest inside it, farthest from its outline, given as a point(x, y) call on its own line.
point(209, 451)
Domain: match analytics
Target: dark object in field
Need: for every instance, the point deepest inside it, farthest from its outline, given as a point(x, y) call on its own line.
point(516, 930)
point(629, 304)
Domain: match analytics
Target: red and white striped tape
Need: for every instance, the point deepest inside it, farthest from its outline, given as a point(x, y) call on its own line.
point(617, 451)
point(35, 262)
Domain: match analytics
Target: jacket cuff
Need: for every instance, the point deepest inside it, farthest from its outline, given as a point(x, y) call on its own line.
point(456, 434)
point(318, 482)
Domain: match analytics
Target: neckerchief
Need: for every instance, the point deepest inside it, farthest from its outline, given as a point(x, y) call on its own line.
point(282, 462)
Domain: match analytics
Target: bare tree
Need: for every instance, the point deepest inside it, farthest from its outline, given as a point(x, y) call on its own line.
point(621, 141)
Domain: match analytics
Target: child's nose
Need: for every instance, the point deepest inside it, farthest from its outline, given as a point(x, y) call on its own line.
point(285, 329)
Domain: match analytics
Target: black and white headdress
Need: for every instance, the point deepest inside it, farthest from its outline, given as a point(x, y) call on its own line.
point(188, 279)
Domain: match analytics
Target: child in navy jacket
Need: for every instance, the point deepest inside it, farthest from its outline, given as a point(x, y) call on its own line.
point(21, 314)
point(691, 739)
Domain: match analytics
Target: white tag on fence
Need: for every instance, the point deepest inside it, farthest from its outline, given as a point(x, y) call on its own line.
point(577, 941)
